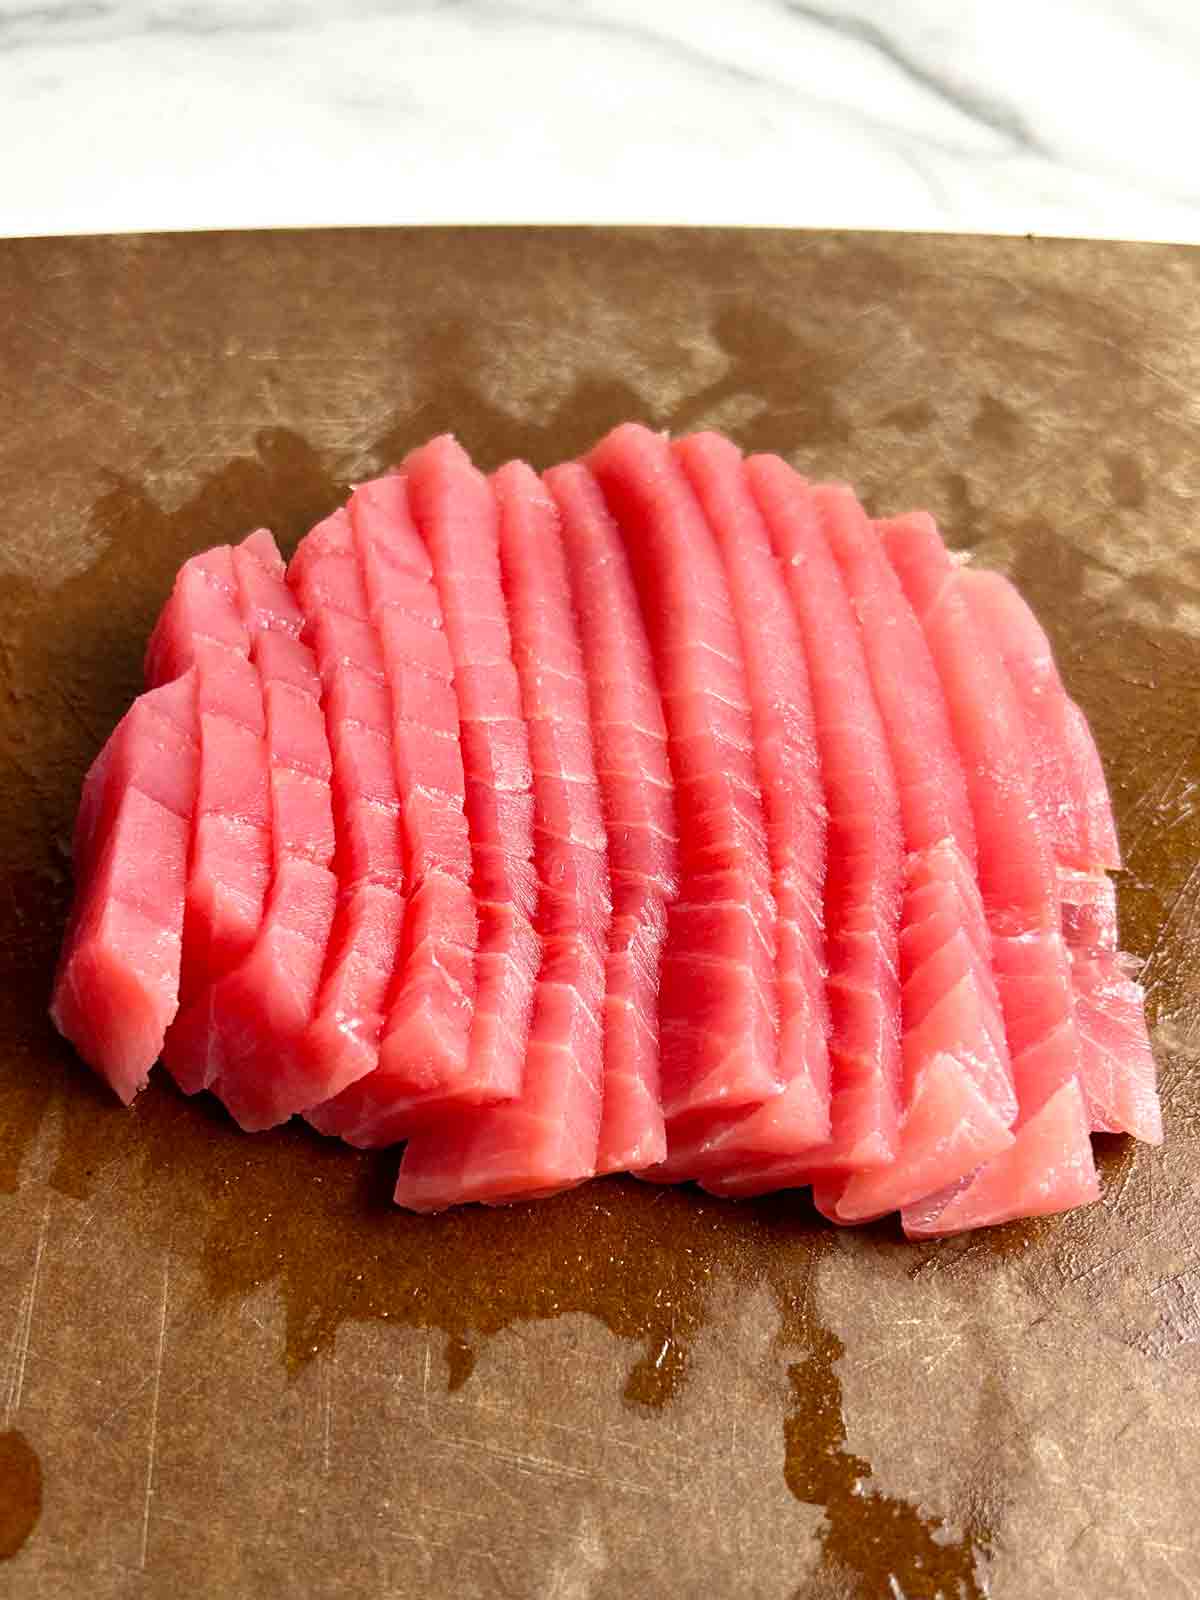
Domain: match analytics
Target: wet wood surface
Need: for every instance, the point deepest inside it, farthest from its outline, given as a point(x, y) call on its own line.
point(227, 1364)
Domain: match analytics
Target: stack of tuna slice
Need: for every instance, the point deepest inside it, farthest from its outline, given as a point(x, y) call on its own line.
point(662, 814)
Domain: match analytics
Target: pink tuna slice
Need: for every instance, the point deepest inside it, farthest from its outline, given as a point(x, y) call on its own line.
point(117, 986)
point(788, 769)
point(351, 1007)
point(203, 629)
point(546, 1139)
point(1016, 868)
point(1118, 1072)
point(864, 873)
point(630, 741)
point(1067, 772)
point(426, 1062)
point(949, 1007)
point(717, 1016)
point(455, 514)
point(250, 1023)
point(1048, 1168)
point(203, 604)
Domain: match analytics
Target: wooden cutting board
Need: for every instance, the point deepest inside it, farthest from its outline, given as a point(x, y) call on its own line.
point(227, 1365)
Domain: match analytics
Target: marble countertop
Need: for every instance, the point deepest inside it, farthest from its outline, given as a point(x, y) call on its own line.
point(1046, 116)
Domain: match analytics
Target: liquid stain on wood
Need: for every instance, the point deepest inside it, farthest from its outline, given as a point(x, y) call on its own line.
point(20, 1492)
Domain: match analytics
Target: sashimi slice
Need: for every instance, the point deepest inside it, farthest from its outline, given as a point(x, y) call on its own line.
point(363, 949)
point(204, 629)
point(629, 735)
point(1016, 867)
point(863, 881)
point(1067, 772)
point(203, 605)
point(717, 1015)
point(949, 1006)
point(152, 749)
point(117, 985)
point(1119, 1075)
point(787, 767)
point(250, 1023)
point(950, 1129)
point(1118, 1072)
point(546, 1139)
point(455, 512)
point(423, 1023)
point(1047, 1168)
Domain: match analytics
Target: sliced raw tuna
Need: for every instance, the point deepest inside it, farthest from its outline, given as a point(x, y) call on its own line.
point(351, 1008)
point(1119, 1077)
point(949, 1007)
point(1016, 866)
point(864, 874)
point(117, 986)
point(630, 741)
point(249, 1024)
point(1048, 1168)
point(787, 767)
point(152, 749)
point(424, 1029)
point(717, 1012)
point(1067, 772)
point(455, 511)
point(203, 604)
point(204, 628)
point(546, 1139)
point(1118, 1064)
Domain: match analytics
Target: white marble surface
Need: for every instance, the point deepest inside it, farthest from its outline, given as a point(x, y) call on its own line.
point(1051, 116)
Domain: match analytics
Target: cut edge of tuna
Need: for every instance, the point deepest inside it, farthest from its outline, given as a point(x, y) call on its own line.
point(1119, 1077)
point(949, 1130)
point(1048, 1168)
point(1068, 773)
point(117, 986)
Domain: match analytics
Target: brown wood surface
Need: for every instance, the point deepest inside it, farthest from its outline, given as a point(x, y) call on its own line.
point(227, 1366)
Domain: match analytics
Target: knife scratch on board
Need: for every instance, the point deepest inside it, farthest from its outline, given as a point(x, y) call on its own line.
point(20, 1352)
point(152, 1437)
point(327, 1375)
